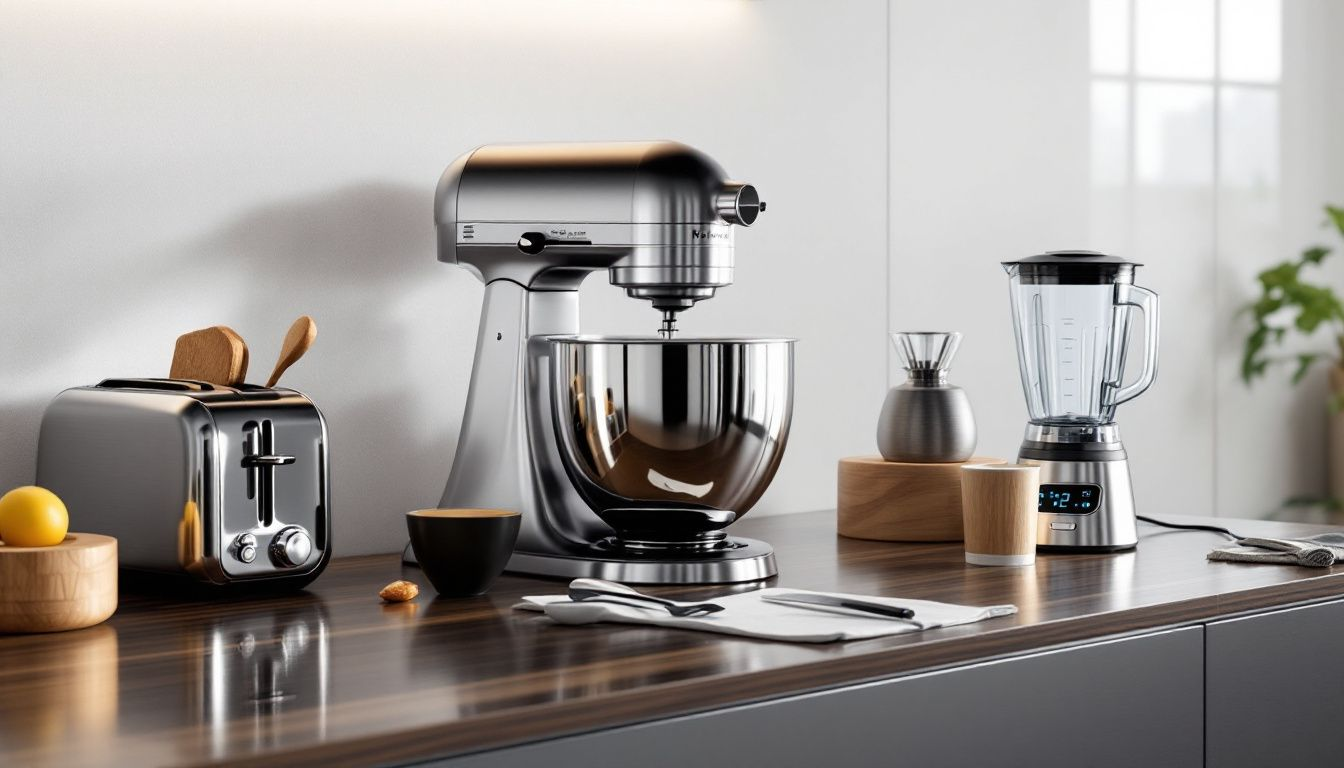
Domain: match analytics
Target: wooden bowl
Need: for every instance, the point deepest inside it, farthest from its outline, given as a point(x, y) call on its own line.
point(51, 589)
point(900, 501)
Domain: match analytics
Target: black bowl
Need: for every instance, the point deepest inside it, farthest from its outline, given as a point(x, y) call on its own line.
point(462, 551)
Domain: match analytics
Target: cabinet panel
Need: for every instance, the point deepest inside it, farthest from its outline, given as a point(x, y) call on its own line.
point(1276, 688)
point(1136, 701)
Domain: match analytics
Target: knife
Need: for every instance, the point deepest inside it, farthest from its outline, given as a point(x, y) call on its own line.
point(807, 600)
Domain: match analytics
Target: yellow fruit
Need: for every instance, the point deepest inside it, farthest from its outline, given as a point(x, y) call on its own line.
point(32, 517)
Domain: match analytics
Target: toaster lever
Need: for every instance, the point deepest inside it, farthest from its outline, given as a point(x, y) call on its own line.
point(266, 460)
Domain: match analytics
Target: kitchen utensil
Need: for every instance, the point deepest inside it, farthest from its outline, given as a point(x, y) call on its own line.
point(297, 341)
point(595, 589)
point(1072, 312)
point(70, 585)
point(926, 419)
point(222, 485)
point(462, 551)
point(671, 440)
point(634, 484)
point(899, 501)
point(215, 355)
point(831, 602)
point(999, 513)
point(675, 610)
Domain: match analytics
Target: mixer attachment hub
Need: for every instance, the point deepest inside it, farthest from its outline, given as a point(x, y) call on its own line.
point(669, 327)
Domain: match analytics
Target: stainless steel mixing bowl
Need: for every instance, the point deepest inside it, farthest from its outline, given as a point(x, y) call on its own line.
point(670, 440)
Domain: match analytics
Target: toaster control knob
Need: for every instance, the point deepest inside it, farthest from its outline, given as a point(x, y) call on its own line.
point(291, 547)
point(245, 547)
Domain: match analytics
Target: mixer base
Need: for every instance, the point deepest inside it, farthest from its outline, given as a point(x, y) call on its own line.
point(739, 560)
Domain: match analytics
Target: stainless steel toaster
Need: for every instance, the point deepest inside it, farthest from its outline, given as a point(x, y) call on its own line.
point(219, 484)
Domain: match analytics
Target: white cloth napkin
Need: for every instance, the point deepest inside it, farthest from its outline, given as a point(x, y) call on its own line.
point(749, 615)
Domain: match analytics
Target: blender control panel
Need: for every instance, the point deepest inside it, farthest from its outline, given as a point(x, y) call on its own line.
point(1069, 498)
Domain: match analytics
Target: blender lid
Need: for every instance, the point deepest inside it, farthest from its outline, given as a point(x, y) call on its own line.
point(1074, 267)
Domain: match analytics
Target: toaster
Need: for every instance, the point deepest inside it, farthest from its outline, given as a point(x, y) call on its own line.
point(221, 485)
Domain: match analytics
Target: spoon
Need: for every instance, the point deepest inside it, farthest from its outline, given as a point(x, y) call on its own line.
point(297, 341)
point(598, 591)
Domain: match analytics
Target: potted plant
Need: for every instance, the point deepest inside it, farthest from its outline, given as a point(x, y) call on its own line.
point(1288, 303)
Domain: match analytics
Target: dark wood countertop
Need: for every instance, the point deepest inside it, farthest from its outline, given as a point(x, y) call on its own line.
point(333, 675)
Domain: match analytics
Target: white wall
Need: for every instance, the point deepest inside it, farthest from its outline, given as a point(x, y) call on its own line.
point(166, 166)
point(1270, 439)
point(998, 151)
point(988, 162)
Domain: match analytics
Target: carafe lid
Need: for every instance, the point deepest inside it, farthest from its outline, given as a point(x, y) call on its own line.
point(1073, 268)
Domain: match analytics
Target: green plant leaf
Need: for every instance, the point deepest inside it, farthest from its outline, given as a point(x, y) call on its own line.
point(1303, 365)
point(1336, 216)
point(1278, 276)
point(1266, 306)
point(1315, 255)
point(1252, 362)
point(1337, 402)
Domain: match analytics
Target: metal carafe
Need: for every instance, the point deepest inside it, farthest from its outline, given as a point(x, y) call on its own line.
point(926, 419)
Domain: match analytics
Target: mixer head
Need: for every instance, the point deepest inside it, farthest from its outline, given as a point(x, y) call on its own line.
point(658, 216)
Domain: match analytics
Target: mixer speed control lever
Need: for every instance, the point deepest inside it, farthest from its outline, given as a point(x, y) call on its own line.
point(532, 243)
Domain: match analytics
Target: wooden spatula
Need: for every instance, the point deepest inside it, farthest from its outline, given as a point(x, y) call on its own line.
point(216, 355)
point(297, 341)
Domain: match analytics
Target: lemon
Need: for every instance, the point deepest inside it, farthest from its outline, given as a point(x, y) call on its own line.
point(32, 517)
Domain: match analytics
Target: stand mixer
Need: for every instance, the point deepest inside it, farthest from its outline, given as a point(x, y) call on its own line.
point(627, 456)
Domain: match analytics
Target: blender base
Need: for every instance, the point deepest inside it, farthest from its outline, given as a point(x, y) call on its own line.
point(1069, 549)
point(1109, 527)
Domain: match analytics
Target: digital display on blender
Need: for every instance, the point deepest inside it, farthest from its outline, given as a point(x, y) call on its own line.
point(1071, 499)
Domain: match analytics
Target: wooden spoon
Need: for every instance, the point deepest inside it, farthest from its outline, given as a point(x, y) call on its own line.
point(297, 341)
point(215, 355)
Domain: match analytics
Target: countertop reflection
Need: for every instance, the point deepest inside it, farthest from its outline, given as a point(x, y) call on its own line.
point(334, 673)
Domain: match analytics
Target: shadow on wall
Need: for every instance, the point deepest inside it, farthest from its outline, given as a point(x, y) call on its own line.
point(360, 260)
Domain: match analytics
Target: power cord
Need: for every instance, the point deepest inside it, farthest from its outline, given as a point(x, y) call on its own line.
point(1190, 527)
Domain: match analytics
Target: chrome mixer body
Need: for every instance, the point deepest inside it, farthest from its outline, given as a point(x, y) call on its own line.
point(532, 222)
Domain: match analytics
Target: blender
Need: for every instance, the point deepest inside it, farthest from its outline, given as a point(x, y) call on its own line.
point(1072, 312)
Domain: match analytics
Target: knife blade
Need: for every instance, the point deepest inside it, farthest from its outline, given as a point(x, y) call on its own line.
point(807, 600)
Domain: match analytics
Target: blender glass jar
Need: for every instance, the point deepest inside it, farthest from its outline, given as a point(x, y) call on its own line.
point(1072, 312)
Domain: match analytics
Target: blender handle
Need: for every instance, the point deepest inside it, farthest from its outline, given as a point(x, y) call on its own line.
point(1146, 301)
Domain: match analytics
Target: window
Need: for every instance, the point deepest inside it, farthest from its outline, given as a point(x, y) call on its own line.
point(1185, 93)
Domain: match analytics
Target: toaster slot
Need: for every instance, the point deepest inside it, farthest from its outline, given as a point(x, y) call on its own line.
point(252, 447)
point(162, 385)
point(266, 509)
point(260, 460)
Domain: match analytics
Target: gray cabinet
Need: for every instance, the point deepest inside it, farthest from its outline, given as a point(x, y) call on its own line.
point(1276, 688)
point(1132, 701)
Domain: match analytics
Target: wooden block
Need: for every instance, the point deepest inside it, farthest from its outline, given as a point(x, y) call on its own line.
point(51, 589)
point(216, 355)
point(900, 501)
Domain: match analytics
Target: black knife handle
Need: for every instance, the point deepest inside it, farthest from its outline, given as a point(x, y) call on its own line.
point(882, 610)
